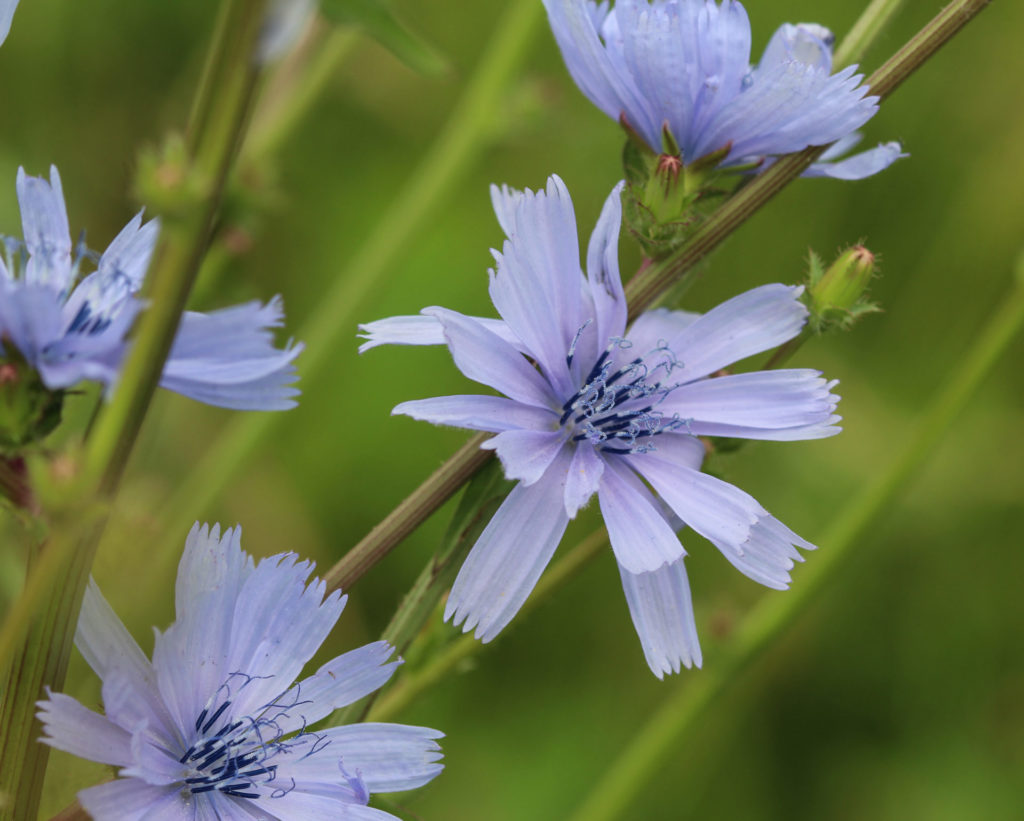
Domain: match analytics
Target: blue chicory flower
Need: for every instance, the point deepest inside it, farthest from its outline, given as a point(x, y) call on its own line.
point(214, 726)
point(685, 64)
point(7, 8)
point(72, 329)
point(593, 407)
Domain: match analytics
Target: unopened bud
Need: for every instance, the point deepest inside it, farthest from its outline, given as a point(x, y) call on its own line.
point(845, 282)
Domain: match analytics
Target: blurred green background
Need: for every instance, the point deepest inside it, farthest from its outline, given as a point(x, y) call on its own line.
point(899, 695)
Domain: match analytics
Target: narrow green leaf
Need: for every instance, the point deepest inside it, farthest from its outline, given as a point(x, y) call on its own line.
point(377, 20)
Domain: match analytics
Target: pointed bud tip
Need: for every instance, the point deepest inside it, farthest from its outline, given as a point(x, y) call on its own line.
point(845, 282)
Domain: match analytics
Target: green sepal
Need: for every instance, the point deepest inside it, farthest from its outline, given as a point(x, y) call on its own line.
point(377, 20)
point(29, 411)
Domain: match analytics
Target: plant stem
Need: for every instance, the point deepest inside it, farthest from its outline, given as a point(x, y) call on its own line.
point(56, 586)
point(456, 148)
point(403, 520)
point(625, 778)
point(864, 32)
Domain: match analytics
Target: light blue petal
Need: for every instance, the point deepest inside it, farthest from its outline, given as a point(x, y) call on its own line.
point(486, 358)
point(131, 798)
point(278, 623)
point(583, 478)
point(717, 510)
point(508, 558)
point(747, 535)
point(121, 269)
point(605, 282)
point(750, 323)
point(652, 328)
point(117, 659)
point(489, 413)
point(859, 166)
point(388, 757)
point(227, 358)
point(793, 403)
point(44, 221)
point(806, 43)
point(422, 330)
point(787, 107)
point(661, 608)
point(689, 59)
point(30, 318)
point(190, 658)
point(538, 284)
point(77, 730)
point(768, 554)
point(338, 683)
point(7, 8)
point(599, 68)
point(526, 454)
point(305, 807)
point(640, 537)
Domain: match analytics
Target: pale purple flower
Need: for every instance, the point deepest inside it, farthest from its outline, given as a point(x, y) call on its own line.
point(216, 725)
point(593, 407)
point(72, 328)
point(7, 8)
point(686, 64)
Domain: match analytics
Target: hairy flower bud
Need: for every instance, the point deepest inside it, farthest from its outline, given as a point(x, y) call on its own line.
point(837, 296)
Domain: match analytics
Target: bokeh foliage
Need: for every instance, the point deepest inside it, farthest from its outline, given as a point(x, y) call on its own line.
point(899, 694)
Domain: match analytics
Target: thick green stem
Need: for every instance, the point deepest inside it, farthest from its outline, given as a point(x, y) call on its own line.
point(42, 620)
point(864, 32)
point(456, 148)
point(622, 782)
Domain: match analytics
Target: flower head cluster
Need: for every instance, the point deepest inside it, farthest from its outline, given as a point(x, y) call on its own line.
point(71, 327)
point(593, 407)
point(685, 65)
point(216, 726)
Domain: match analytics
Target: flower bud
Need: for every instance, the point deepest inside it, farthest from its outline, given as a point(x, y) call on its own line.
point(844, 282)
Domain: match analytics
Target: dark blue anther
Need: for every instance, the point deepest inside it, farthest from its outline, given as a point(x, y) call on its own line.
point(215, 716)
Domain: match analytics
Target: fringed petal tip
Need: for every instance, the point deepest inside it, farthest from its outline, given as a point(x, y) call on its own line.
point(661, 608)
point(858, 166)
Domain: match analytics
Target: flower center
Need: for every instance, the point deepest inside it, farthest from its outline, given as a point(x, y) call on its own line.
point(616, 407)
point(237, 759)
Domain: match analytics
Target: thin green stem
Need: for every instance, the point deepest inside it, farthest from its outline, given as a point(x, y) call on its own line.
point(456, 148)
point(864, 32)
point(414, 509)
point(42, 619)
point(624, 779)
